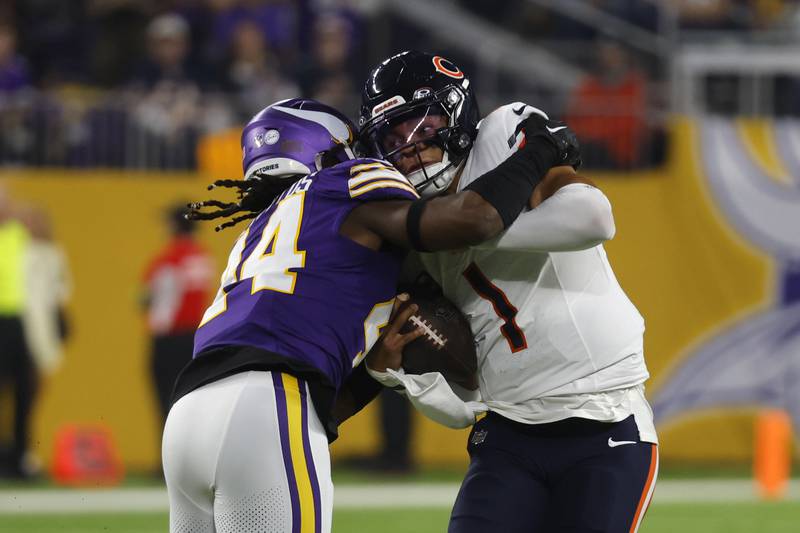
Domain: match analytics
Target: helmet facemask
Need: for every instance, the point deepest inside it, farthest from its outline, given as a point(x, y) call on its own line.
point(403, 136)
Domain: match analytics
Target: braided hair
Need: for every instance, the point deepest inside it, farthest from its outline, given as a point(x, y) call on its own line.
point(254, 195)
point(257, 192)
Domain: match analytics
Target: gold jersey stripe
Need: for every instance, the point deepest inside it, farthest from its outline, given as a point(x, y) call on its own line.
point(364, 177)
point(355, 169)
point(382, 184)
point(308, 517)
point(376, 178)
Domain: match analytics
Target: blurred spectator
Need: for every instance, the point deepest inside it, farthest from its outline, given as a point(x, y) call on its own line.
point(13, 67)
point(276, 18)
point(329, 73)
point(176, 290)
point(16, 365)
point(714, 14)
point(117, 30)
point(394, 456)
point(771, 13)
point(253, 76)
point(608, 110)
point(169, 109)
point(47, 290)
point(54, 38)
point(168, 47)
point(535, 22)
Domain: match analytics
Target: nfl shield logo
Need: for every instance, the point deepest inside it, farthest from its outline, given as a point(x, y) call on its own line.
point(479, 436)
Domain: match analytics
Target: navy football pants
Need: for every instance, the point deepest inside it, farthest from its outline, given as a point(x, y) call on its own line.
point(571, 476)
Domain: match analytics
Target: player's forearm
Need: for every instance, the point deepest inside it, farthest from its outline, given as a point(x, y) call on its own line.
point(443, 223)
point(457, 221)
point(356, 392)
point(493, 200)
point(577, 217)
point(431, 395)
point(344, 407)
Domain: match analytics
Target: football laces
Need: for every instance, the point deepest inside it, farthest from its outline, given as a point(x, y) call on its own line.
point(434, 336)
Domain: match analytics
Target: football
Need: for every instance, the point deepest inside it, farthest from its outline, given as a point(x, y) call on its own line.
point(447, 344)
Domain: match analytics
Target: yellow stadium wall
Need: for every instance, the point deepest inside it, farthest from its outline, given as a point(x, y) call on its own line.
point(683, 267)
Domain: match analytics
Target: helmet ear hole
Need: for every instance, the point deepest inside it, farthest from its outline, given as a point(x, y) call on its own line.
point(459, 144)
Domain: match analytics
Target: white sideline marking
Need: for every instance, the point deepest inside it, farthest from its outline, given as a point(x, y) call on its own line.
point(385, 495)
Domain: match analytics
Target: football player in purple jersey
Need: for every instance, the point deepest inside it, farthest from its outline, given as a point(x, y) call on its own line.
point(307, 290)
point(568, 443)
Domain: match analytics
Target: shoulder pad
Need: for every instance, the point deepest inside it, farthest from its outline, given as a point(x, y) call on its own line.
point(373, 179)
point(364, 179)
point(502, 122)
point(499, 136)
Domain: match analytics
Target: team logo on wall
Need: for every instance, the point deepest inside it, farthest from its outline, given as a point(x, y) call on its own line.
point(755, 361)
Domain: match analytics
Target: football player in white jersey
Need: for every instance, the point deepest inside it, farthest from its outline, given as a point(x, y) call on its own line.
point(569, 442)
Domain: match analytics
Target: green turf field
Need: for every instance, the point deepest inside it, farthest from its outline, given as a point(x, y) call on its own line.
point(665, 518)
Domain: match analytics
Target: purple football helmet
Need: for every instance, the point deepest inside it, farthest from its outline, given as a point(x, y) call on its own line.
point(291, 137)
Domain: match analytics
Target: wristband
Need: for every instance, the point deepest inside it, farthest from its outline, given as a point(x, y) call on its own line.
point(413, 224)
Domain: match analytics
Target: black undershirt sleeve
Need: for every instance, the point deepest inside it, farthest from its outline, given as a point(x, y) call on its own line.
point(361, 385)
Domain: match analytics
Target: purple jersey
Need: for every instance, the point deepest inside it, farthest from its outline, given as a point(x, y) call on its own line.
point(294, 286)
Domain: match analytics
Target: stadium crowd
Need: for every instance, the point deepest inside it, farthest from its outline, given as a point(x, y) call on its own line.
point(136, 84)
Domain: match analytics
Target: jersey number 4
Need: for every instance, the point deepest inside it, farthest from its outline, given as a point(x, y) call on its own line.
point(269, 263)
point(489, 291)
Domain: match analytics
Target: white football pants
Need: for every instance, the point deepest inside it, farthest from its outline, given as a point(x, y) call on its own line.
point(246, 454)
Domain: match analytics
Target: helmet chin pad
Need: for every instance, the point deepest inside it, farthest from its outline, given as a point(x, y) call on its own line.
point(434, 178)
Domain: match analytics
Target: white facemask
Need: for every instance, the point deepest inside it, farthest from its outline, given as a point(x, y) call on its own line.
point(440, 183)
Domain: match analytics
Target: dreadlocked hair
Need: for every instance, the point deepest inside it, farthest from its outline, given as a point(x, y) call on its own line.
point(254, 195)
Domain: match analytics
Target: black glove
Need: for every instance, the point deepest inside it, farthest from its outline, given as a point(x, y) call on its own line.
point(566, 150)
point(509, 185)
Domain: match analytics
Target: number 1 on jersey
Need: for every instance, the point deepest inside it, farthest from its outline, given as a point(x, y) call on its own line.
point(489, 291)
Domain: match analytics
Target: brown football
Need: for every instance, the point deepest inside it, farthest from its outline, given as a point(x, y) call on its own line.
point(447, 345)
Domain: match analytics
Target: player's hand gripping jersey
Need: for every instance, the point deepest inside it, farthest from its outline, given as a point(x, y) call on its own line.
point(292, 262)
point(548, 325)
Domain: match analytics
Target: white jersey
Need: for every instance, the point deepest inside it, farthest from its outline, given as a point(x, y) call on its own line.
point(556, 336)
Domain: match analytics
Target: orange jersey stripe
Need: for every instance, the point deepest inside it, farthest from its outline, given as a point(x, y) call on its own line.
point(647, 492)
